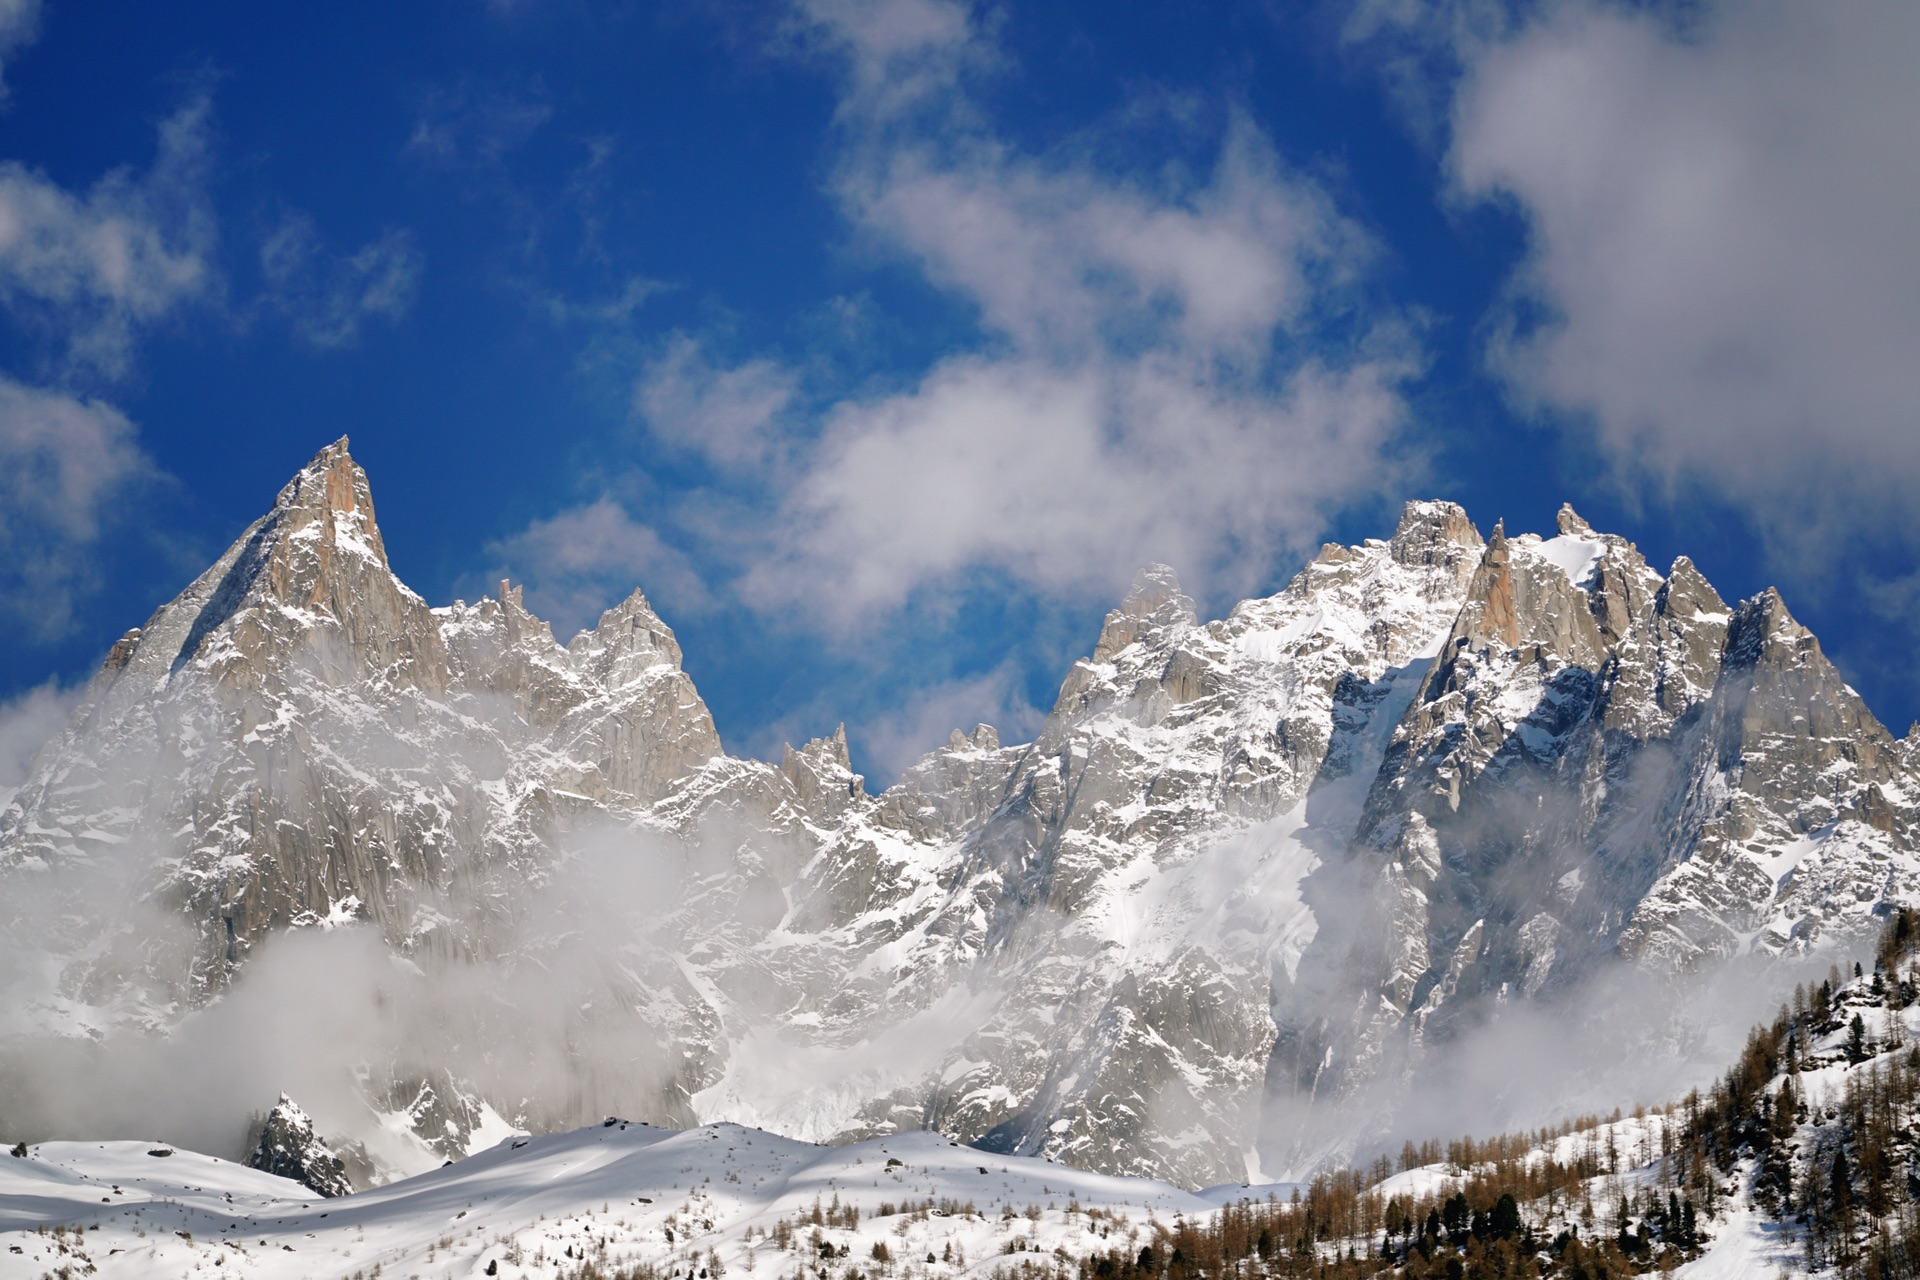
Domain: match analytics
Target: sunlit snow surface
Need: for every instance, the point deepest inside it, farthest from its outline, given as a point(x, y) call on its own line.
point(1574, 556)
point(622, 1194)
point(611, 1194)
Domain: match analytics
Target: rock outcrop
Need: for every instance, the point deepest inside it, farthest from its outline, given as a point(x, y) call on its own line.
point(287, 1147)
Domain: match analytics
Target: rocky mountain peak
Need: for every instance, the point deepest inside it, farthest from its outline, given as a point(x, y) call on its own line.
point(1154, 603)
point(1436, 533)
point(829, 752)
point(629, 638)
point(1521, 600)
point(821, 774)
point(1570, 522)
point(333, 486)
point(1762, 631)
point(315, 566)
point(288, 1147)
point(519, 623)
point(983, 738)
point(1687, 593)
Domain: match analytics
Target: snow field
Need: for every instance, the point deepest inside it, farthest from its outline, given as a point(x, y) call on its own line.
point(719, 1200)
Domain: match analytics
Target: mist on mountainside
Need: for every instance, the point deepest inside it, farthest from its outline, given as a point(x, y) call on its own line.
point(1454, 832)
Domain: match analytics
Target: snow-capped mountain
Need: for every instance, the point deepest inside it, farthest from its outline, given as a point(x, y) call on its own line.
point(1248, 868)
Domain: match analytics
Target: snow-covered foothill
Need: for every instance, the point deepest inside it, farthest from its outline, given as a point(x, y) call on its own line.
point(618, 1194)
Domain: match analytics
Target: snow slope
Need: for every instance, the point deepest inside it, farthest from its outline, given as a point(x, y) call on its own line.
point(619, 1194)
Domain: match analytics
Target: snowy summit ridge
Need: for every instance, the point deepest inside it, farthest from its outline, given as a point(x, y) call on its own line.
point(1249, 868)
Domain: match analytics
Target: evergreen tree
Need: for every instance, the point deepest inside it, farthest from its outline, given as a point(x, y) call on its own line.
point(1783, 1110)
point(1504, 1222)
point(1455, 1215)
point(1857, 1040)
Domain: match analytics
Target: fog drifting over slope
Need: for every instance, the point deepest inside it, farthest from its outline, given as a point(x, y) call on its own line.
point(541, 1005)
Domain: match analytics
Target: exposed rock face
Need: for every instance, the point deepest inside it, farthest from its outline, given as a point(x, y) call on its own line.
point(317, 745)
point(288, 1148)
point(1245, 863)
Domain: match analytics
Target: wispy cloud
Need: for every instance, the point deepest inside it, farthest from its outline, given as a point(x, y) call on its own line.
point(729, 414)
point(85, 274)
point(1168, 370)
point(900, 735)
point(901, 58)
point(19, 25)
point(87, 271)
point(326, 297)
point(64, 464)
point(576, 563)
point(27, 723)
point(1164, 366)
point(466, 125)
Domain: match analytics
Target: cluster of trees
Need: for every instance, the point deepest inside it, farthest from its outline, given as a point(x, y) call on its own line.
point(921, 1210)
point(1342, 1228)
point(1834, 1151)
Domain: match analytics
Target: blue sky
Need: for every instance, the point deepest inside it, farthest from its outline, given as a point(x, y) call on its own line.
point(880, 340)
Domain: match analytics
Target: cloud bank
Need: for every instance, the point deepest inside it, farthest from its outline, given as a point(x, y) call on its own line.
point(1163, 370)
point(1163, 366)
point(1721, 268)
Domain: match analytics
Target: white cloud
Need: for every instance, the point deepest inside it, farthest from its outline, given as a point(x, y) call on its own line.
point(63, 463)
point(1069, 478)
point(901, 735)
point(1065, 259)
point(468, 126)
point(91, 269)
point(578, 562)
point(1166, 367)
point(27, 722)
point(328, 297)
point(19, 25)
point(85, 272)
point(729, 414)
point(900, 54)
point(1157, 380)
point(1721, 217)
point(610, 310)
